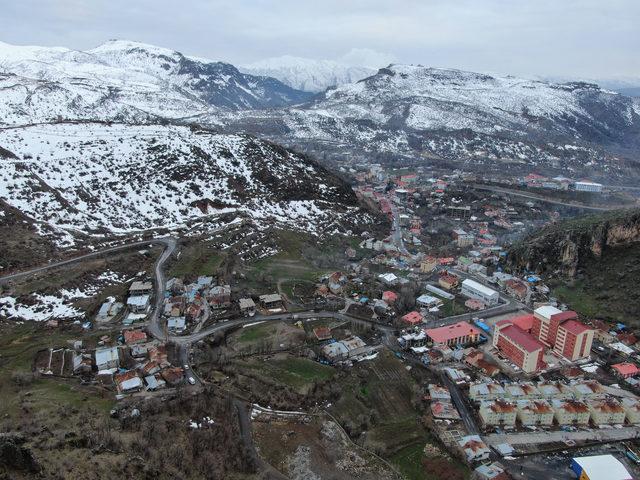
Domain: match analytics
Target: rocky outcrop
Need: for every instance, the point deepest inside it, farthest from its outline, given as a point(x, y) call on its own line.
point(15, 456)
point(567, 246)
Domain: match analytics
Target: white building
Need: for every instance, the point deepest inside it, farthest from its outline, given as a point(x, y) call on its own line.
point(498, 412)
point(139, 303)
point(607, 412)
point(473, 289)
point(632, 409)
point(475, 450)
point(586, 186)
point(535, 412)
point(107, 358)
point(571, 412)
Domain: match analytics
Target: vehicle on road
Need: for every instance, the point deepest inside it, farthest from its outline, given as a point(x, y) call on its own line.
point(192, 380)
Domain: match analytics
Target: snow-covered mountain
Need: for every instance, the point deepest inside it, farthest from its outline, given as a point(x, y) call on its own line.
point(307, 74)
point(453, 114)
point(111, 178)
point(124, 80)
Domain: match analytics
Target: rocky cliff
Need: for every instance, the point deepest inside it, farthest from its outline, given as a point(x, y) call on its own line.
point(568, 247)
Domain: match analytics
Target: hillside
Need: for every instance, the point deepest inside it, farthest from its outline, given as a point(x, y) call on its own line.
point(464, 116)
point(122, 80)
point(592, 262)
point(102, 179)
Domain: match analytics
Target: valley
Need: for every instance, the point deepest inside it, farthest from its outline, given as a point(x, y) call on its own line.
point(335, 272)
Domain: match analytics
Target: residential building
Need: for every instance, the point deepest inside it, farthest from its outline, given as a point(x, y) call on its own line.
point(271, 301)
point(438, 392)
point(389, 296)
point(460, 333)
point(498, 412)
point(570, 412)
point(492, 471)
point(220, 296)
point(107, 358)
point(139, 303)
point(535, 412)
point(486, 391)
point(448, 281)
point(475, 450)
point(607, 412)
point(412, 318)
point(588, 389)
point(247, 307)
point(518, 346)
point(626, 369)
point(428, 301)
point(573, 340)
point(134, 336)
point(140, 288)
point(632, 409)
point(444, 409)
point(428, 265)
point(473, 289)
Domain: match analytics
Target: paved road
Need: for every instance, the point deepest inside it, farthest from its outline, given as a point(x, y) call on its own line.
point(600, 435)
point(467, 418)
point(33, 271)
point(397, 229)
point(540, 198)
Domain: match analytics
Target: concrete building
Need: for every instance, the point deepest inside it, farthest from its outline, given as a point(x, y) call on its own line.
point(498, 412)
point(586, 186)
point(573, 340)
point(535, 412)
point(518, 346)
point(486, 391)
point(588, 389)
point(475, 450)
point(570, 412)
point(607, 412)
point(625, 369)
point(140, 288)
point(632, 410)
point(247, 307)
point(460, 333)
point(473, 289)
point(139, 303)
point(563, 332)
point(107, 358)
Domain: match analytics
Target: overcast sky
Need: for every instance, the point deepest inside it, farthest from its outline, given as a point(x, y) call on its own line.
point(576, 38)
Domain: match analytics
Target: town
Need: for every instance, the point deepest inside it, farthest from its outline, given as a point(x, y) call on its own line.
point(504, 371)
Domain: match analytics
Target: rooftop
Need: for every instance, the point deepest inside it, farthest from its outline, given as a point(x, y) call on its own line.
point(603, 467)
point(478, 287)
point(451, 332)
point(575, 327)
point(547, 311)
point(522, 338)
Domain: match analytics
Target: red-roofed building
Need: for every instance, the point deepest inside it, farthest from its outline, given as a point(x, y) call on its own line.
point(625, 369)
point(448, 280)
point(459, 333)
point(412, 318)
point(516, 288)
point(518, 346)
point(134, 336)
point(389, 296)
point(524, 322)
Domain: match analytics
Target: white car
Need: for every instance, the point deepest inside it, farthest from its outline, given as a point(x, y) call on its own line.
point(192, 380)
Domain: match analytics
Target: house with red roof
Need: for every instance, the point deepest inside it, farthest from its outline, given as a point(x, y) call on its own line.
point(389, 296)
point(626, 369)
point(520, 347)
point(134, 336)
point(412, 318)
point(460, 333)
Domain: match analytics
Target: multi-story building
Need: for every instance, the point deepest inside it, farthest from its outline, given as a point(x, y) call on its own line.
point(535, 412)
point(573, 340)
point(486, 391)
point(570, 412)
point(498, 412)
point(518, 346)
point(555, 390)
point(632, 409)
point(460, 333)
point(588, 389)
point(473, 289)
point(607, 412)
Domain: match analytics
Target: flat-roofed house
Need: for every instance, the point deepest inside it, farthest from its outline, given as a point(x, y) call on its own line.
point(607, 412)
point(571, 412)
point(535, 412)
point(498, 412)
